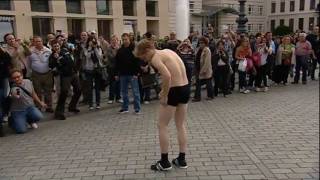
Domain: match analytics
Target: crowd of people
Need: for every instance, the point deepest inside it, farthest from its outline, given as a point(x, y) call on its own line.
point(36, 74)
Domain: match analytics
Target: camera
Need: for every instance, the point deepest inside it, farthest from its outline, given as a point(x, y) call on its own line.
point(18, 91)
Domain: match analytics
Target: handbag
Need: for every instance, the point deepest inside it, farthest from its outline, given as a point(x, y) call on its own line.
point(242, 65)
point(249, 64)
point(147, 80)
point(256, 58)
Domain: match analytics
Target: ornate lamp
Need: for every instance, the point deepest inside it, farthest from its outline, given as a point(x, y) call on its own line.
point(242, 19)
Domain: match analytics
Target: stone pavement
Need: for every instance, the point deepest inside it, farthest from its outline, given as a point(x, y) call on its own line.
point(273, 135)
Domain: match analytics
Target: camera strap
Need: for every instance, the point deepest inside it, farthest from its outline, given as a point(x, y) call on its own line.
point(23, 89)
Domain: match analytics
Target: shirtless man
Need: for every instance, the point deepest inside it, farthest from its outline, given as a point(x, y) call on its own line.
point(173, 99)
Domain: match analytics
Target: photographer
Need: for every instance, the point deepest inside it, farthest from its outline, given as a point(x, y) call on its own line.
point(23, 109)
point(91, 61)
point(221, 69)
point(62, 63)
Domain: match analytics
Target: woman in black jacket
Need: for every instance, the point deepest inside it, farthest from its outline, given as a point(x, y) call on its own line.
point(221, 69)
point(61, 61)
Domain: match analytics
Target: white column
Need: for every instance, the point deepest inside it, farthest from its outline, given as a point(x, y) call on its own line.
point(182, 19)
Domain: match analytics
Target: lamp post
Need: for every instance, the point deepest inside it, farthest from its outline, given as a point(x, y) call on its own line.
point(318, 11)
point(242, 19)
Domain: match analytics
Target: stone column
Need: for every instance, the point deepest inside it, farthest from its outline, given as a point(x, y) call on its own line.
point(182, 19)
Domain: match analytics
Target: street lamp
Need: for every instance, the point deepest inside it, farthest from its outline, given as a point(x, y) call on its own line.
point(242, 19)
point(318, 10)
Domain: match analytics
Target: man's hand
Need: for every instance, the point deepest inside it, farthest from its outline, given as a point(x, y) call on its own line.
point(164, 101)
point(56, 55)
point(43, 105)
point(116, 78)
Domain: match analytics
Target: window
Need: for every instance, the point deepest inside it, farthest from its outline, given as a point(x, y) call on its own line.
point(104, 7)
point(250, 9)
point(282, 6)
point(302, 2)
point(273, 7)
point(191, 6)
point(260, 10)
point(292, 6)
point(39, 6)
point(291, 24)
point(152, 8)
point(301, 21)
point(42, 26)
point(249, 27)
point(104, 28)
point(260, 27)
point(281, 22)
point(5, 5)
point(74, 6)
point(312, 4)
point(75, 26)
point(273, 24)
point(311, 23)
point(6, 26)
point(128, 8)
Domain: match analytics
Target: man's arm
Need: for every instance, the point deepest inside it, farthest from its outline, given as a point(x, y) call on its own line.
point(37, 99)
point(165, 76)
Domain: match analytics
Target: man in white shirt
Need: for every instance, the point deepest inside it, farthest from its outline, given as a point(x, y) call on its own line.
point(41, 73)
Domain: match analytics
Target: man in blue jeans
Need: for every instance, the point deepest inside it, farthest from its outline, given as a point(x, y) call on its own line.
point(4, 75)
point(127, 70)
point(23, 109)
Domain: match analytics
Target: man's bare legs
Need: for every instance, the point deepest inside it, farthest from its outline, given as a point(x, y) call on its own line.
point(180, 119)
point(166, 113)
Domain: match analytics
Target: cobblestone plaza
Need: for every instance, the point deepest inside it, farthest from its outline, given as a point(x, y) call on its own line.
point(273, 135)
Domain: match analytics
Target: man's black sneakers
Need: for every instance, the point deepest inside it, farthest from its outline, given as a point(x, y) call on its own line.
point(180, 163)
point(161, 166)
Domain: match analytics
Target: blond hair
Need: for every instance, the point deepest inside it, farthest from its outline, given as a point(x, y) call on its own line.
point(143, 46)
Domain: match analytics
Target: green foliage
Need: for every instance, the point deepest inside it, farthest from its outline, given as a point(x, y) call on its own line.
point(282, 31)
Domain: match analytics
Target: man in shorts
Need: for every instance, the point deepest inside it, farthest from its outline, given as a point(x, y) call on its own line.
point(174, 97)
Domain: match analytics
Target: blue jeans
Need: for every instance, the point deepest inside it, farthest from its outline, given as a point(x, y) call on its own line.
point(301, 63)
point(21, 118)
point(93, 79)
point(124, 83)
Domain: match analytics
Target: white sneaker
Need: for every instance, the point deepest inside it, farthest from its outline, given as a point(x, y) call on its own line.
point(246, 91)
point(110, 102)
point(266, 89)
point(91, 108)
point(146, 102)
point(34, 126)
point(258, 89)
point(242, 90)
point(120, 101)
point(98, 107)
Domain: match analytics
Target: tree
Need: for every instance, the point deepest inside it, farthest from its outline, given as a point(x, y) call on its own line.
point(282, 30)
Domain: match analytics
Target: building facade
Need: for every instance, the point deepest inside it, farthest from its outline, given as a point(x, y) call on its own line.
point(297, 14)
point(39, 17)
point(255, 11)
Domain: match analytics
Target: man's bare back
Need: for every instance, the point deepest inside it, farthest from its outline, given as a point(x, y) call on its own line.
point(174, 65)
